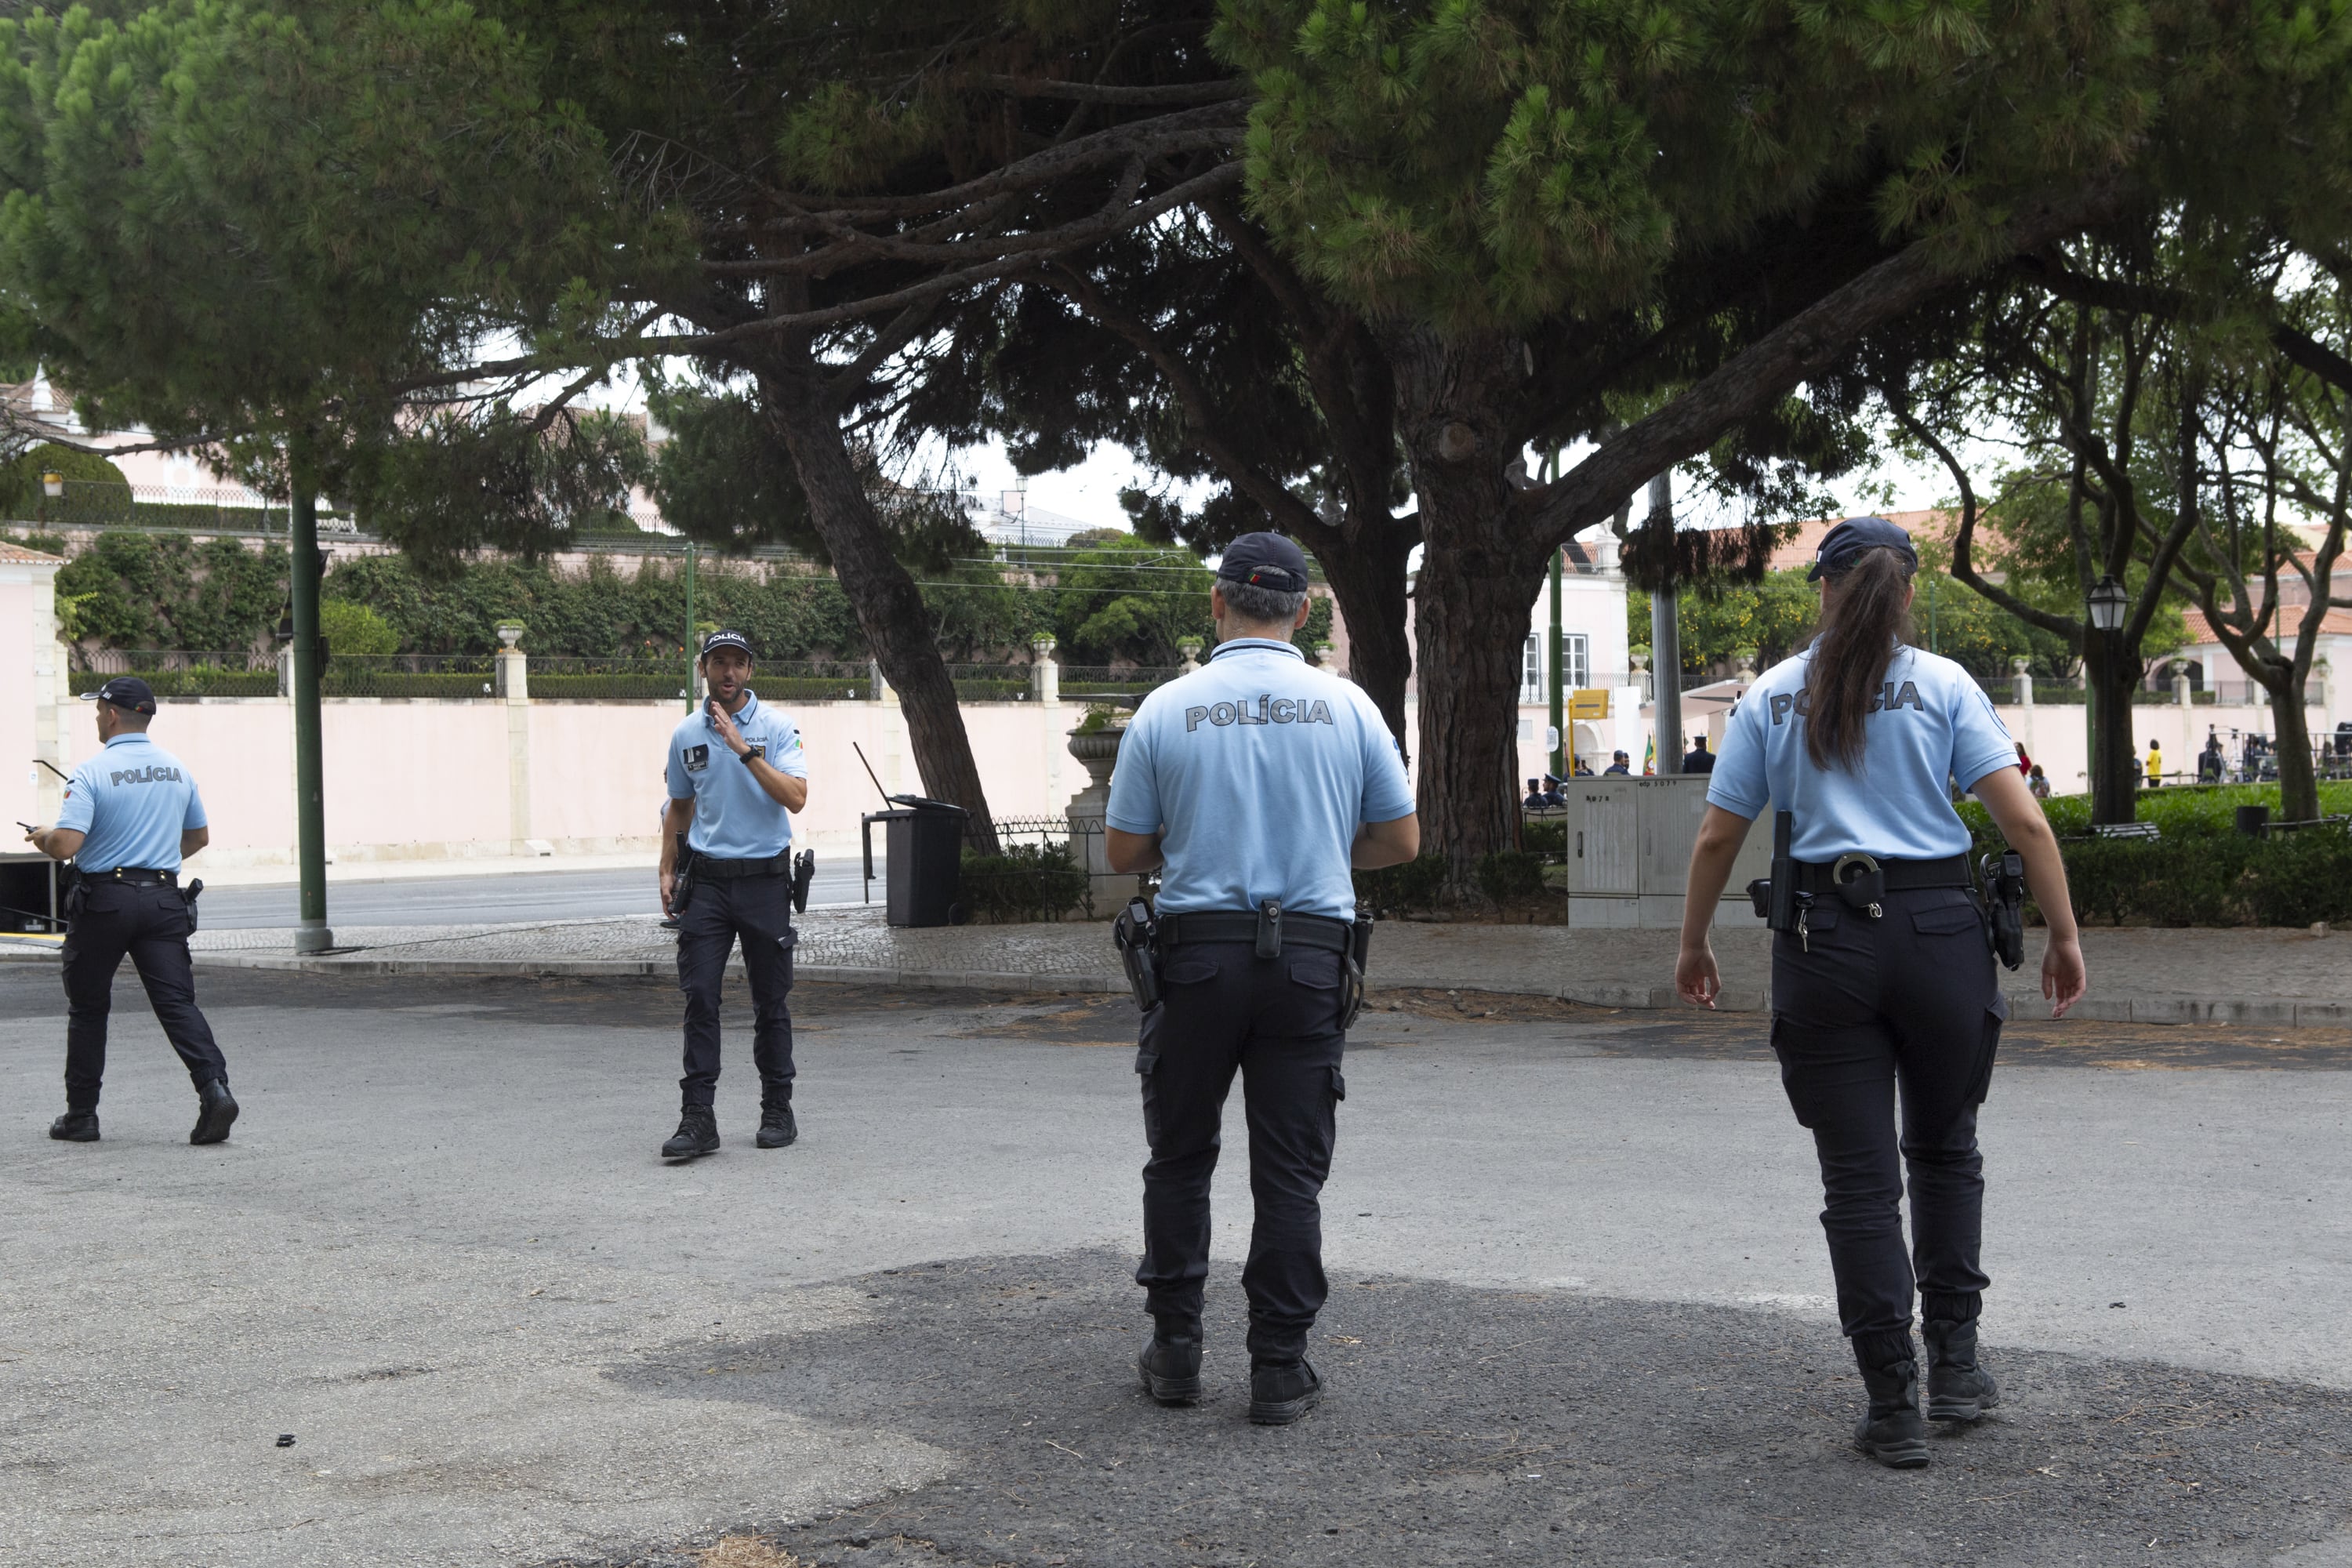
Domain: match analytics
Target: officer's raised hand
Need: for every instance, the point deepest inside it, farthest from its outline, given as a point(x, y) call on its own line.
point(723, 723)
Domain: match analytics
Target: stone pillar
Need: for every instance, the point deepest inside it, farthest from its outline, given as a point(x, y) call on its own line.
point(1640, 660)
point(1190, 649)
point(2180, 694)
point(1097, 750)
point(286, 670)
point(877, 685)
point(2020, 674)
point(513, 685)
point(1044, 675)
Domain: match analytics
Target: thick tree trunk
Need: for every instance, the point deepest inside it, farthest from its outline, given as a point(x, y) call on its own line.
point(2110, 673)
point(2298, 785)
point(1368, 582)
point(889, 605)
point(1479, 576)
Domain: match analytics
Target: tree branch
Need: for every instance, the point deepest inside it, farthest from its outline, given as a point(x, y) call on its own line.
point(1963, 566)
point(1091, 92)
point(1806, 344)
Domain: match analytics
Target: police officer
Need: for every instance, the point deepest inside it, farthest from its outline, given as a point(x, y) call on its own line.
point(1253, 784)
point(735, 777)
point(131, 816)
point(1885, 978)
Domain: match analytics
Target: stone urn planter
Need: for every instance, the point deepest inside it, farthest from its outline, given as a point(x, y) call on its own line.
point(1097, 750)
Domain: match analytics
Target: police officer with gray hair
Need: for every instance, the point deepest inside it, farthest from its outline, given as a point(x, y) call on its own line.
point(1254, 784)
point(1883, 958)
point(132, 815)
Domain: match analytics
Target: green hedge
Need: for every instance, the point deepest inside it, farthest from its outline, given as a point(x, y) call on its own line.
point(1026, 882)
point(1511, 876)
point(2202, 872)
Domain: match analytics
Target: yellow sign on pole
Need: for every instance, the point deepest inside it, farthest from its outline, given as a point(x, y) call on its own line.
point(1588, 702)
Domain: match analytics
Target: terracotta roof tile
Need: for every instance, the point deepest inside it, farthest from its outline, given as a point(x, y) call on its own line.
point(2334, 624)
point(17, 554)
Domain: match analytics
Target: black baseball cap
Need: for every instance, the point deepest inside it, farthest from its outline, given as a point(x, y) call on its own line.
point(1849, 538)
point(125, 692)
point(1264, 560)
point(727, 639)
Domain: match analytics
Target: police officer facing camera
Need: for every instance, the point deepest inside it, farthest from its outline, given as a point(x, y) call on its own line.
point(735, 777)
point(1882, 969)
point(1253, 784)
point(131, 816)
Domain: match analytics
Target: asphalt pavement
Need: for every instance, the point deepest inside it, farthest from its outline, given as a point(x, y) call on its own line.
point(1580, 1308)
point(468, 900)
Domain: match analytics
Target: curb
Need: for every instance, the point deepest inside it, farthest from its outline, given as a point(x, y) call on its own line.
point(2274, 1012)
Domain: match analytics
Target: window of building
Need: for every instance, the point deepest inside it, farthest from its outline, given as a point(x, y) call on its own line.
point(1575, 659)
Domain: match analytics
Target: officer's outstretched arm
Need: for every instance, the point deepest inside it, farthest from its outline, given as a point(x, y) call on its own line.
point(1391, 842)
point(56, 842)
point(1130, 852)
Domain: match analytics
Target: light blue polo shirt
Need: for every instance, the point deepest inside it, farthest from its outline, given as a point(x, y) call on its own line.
point(130, 802)
point(734, 819)
point(1257, 770)
point(1929, 722)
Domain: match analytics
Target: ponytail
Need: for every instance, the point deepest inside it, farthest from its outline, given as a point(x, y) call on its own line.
point(1861, 622)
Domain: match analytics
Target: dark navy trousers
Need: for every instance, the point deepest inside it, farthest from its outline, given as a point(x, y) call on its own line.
point(150, 924)
point(1863, 1009)
point(1276, 1021)
point(759, 910)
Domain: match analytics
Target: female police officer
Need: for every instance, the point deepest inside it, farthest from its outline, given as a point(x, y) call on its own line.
point(1886, 977)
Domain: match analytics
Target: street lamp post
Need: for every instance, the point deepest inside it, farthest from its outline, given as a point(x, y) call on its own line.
point(2107, 602)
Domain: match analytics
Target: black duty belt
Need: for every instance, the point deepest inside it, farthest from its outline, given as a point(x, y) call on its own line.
point(1901, 876)
point(139, 875)
point(727, 870)
point(1231, 925)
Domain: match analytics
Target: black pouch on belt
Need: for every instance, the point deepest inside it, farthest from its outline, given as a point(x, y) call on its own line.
point(803, 873)
point(188, 896)
point(1359, 945)
point(77, 893)
point(2004, 906)
point(1133, 934)
point(682, 883)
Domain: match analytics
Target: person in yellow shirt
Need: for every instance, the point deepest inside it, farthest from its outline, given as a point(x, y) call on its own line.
point(2154, 763)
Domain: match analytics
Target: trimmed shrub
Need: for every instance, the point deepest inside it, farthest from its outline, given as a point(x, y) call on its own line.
point(1024, 882)
point(1509, 875)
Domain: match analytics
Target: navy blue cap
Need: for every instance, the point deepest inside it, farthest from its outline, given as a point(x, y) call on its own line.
point(125, 692)
point(727, 639)
point(1264, 560)
point(1849, 538)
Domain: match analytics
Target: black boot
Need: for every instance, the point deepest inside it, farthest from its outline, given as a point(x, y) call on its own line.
point(1957, 1388)
point(777, 1126)
point(1891, 1433)
point(697, 1134)
point(216, 1109)
point(76, 1127)
point(1170, 1364)
point(1283, 1391)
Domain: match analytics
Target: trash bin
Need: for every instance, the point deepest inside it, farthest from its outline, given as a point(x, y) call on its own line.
point(923, 842)
point(2251, 818)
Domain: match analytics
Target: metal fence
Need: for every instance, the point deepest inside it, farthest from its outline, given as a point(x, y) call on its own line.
point(1114, 682)
point(171, 672)
point(555, 678)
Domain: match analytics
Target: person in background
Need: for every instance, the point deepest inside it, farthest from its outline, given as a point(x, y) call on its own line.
point(2024, 762)
point(2210, 761)
point(1553, 799)
point(2038, 782)
point(1619, 766)
point(1699, 759)
point(1534, 800)
point(2154, 763)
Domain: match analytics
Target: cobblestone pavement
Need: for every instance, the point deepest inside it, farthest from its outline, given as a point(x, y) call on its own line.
point(2287, 977)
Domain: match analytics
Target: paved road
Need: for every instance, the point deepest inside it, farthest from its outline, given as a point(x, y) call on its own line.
point(466, 901)
point(1579, 1311)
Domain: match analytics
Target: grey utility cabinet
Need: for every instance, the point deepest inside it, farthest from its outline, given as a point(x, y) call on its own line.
point(1629, 847)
